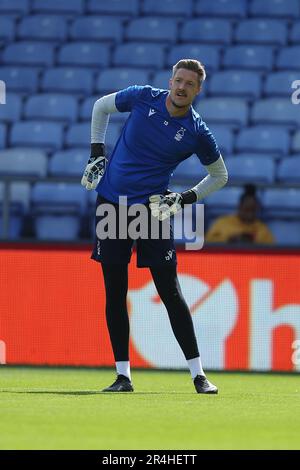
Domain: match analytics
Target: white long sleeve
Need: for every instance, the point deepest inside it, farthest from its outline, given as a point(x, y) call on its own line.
point(100, 117)
point(215, 180)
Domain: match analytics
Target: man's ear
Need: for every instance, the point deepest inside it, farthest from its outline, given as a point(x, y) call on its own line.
point(170, 83)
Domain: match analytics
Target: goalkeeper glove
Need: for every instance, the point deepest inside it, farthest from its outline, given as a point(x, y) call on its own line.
point(95, 167)
point(164, 206)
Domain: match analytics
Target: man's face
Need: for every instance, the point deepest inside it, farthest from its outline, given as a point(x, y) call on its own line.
point(184, 86)
point(248, 210)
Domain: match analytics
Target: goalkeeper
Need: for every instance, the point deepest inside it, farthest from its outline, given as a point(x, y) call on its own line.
point(161, 131)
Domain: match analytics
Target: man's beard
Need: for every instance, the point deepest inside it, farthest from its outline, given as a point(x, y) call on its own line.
point(177, 105)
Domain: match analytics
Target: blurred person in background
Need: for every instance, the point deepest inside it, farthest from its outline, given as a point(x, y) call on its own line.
point(242, 227)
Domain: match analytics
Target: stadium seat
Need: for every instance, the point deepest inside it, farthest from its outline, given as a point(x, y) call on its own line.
point(12, 110)
point(116, 7)
point(275, 111)
point(59, 107)
point(97, 28)
point(263, 139)
point(289, 170)
point(161, 79)
point(249, 57)
point(20, 79)
point(208, 55)
point(47, 135)
point(87, 108)
point(2, 135)
point(138, 54)
point(29, 53)
point(168, 7)
point(279, 83)
point(295, 33)
point(22, 161)
point(90, 54)
point(278, 8)
point(221, 8)
point(262, 31)
point(285, 232)
point(75, 7)
point(259, 156)
point(223, 202)
point(14, 225)
point(112, 134)
point(58, 198)
point(281, 202)
point(43, 27)
point(152, 29)
point(7, 29)
point(296, 142)
point(243, 83)
point(209, 30)
point(251, 170)
point(224, 137)
point(68, 80)
point(19, 194)
point(232, 111)
point(190, 171)
point(57, 227)
point(15, 7)
point(288, 58)
point(71, 162)
point(111, 80)
point(79, 135)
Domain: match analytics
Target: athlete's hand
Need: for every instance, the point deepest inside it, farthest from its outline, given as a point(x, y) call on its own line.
point(163, 207)
point(95, 167)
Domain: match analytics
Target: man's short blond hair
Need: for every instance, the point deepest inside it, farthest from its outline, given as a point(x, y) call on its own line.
point(191, 64)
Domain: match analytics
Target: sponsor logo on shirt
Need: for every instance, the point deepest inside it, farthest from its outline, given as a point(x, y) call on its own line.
point(151, 111)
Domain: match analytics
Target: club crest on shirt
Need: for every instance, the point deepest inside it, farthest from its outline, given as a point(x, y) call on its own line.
point(179, 134)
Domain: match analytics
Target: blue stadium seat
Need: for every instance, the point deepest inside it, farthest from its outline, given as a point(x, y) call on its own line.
point(75, 7)
point(7, 29)
point(79, 135)
point(288, 58)
point(296, 142)
point(97, 28)
point(20, 161)
point(223, 202)
point(59, 107)
point(208, 55)
point(224, 137)
point(112, 134)
point(152, 29)
point(278, 8)
point(58, 198)
point(89, 54)
point(20, 79)
point(279, 83)
point(249, 57)
point(68, 80)
point(19, 194)
point(251, 170)
point(11, 111)
point(116, 7)
point(138, 54)
point(29, 53)
point(43, 27)
point(15, 223)
point(232, 111)
point(241, 83)
point(263, 139)
point(161, 79)
point(2, 135)
point(57, 227)
point(209, 30)
point(227, 8)
point(168, 7)
point(259, 156)
point(275, 111)
point(285, 232)
point(16, 7)
point(116, 79)
point(71, 162)
point(295, 32)
point(289, 170)
point(281, 202)
point(47, 135)
point(190, 171)
point(263, 31)
point(87, 108)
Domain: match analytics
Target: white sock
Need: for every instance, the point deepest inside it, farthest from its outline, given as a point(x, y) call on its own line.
point(123, 367)
point(195, 367)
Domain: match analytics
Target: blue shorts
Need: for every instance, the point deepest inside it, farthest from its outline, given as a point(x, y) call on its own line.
point(150, 252)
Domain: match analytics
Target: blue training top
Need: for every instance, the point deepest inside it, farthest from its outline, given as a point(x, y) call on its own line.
point(151, 145)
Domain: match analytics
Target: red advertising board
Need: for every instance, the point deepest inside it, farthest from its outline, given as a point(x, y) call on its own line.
point(245, 308)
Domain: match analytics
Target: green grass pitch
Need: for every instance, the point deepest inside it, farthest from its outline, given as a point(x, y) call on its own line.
point(62, 408)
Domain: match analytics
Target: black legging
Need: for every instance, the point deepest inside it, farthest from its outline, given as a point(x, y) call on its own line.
point(168, 288)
